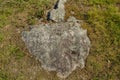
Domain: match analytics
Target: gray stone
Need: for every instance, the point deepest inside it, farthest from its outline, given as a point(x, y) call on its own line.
point(60, 47)
point(72, 19)
point(57, 14)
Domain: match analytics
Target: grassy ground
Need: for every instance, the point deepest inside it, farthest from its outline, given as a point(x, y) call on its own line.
point(100, 17)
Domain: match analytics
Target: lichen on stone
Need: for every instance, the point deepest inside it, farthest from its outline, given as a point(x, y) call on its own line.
point(60, 46)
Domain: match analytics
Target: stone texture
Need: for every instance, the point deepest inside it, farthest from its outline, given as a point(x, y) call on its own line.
point(60, 47)
point(57, 14)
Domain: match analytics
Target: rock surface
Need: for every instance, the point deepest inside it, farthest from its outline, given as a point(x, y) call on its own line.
point(57, 14)
point(60, 47)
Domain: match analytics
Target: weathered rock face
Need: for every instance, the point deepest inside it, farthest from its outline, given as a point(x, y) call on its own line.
point(57, 14)
point(60, 47)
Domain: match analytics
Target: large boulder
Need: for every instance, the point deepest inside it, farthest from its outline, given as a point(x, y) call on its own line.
point(60, 47)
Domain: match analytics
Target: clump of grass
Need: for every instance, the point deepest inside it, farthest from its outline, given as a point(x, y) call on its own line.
point(1, 37)
point(35, 8)
point(4, 14)
point(105, 23)
point(102, 2)
point(108, 19)
point(15, 51)
point(3, 76)
point(39, 13)
point(11, 51)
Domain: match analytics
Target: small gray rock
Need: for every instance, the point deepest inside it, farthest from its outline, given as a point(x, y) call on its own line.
point(57, 14)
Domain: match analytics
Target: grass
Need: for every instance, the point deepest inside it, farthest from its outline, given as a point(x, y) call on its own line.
point(1, 37)
point(10, 9)
point(105, 22)
point(108, 19)
point(3, 76)
point(102, 2)
point(100, 17)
